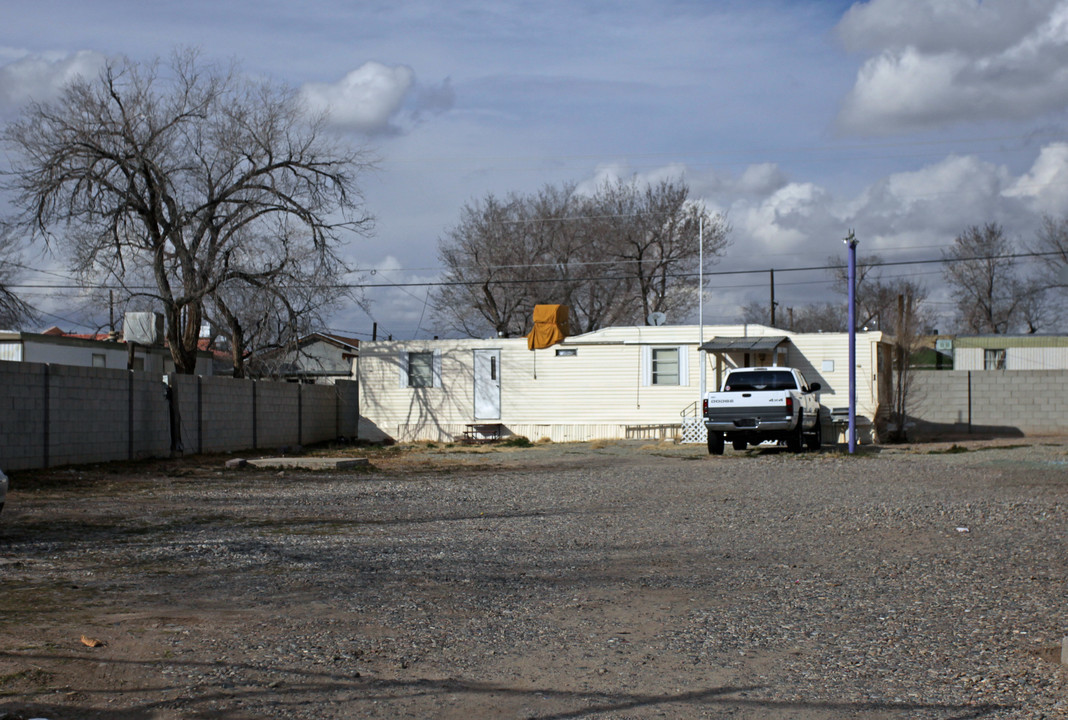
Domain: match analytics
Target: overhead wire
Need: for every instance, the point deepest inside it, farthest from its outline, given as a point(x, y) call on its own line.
point(531, 281)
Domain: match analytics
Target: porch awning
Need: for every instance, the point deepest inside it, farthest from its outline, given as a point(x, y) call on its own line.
point(763, 343)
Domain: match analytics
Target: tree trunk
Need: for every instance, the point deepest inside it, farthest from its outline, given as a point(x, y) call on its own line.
point(237, 348)
point(183, 346)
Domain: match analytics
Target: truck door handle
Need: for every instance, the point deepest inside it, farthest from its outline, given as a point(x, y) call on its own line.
point(747, 394)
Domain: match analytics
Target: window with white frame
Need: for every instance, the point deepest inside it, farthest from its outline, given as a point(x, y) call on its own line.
point(994, 359)
point(420, 369)
point(665, 366)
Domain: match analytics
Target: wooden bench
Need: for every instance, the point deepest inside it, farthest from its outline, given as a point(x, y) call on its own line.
point(482, 432)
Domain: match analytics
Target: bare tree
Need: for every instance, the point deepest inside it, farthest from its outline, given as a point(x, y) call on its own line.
point(877, 295)
point(174, 172)
point(615, 256)
point(265, 306)
point(491, 265)
point(1051, 250)
point(812, 317)
point(991, 297)
point(910, 326)
point(653, 230)
point(13, 309)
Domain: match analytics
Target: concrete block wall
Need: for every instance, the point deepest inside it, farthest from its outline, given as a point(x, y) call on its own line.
point(277, 408)
point(151, 420)
point(22, 415)
point(1030, 402)
point(59, 414)
point(184, 388)
point(348, 407)
point(88, 414)
point(226, 414)
point(319, 412)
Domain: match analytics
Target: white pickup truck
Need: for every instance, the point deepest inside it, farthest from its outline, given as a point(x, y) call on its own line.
point(763, 403)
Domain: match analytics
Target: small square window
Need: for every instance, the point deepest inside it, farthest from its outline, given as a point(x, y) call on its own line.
point(421, 369)
point(994, 359)
point(665, 366)
point(100, 360)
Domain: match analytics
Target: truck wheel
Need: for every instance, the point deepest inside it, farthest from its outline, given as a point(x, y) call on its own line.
point(815, 440)
point(738, 444)
point(715, 443)
point(795, 441)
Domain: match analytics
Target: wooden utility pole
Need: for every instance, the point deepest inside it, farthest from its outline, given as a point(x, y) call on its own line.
point(772, 273)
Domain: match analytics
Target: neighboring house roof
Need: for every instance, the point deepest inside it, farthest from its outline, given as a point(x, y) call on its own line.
point(998, 342)
point(332, 358)
point(102, 337)
point(203, 344)
point(351, 343)
point(670, 334)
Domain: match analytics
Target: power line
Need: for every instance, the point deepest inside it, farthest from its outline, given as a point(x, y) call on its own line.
point(532, 281)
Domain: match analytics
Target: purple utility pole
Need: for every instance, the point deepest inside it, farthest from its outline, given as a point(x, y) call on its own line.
point(851, 241)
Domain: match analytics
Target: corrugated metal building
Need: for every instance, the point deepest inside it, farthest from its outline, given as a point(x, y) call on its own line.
point(598, 385)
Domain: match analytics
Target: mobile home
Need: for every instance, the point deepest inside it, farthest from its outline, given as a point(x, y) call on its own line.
point(612, 383)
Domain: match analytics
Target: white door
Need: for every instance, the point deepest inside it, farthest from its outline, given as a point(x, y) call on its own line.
point(487, 384)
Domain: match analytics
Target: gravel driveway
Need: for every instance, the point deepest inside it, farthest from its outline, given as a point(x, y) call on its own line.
point(605, 580)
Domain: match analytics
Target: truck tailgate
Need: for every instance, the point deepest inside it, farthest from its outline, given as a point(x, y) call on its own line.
point(747, 409)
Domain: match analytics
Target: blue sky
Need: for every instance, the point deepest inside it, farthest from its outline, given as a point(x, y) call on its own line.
point(905, 120)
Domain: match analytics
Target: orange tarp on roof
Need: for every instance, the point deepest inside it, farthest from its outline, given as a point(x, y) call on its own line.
point(550, 326)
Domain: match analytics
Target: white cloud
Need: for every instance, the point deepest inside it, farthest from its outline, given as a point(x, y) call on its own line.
point(366, 99)
point(977, 27)
point(780, 222)
point(1045, 186)
point(621, 172)
point(762, 178)
point(934, 203)
point(40, 78)
point(946, 61)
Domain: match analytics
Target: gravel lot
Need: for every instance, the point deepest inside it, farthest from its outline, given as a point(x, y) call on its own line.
point(603, 580)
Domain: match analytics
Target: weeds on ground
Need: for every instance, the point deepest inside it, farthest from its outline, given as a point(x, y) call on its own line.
point(951, 450)
point(517, 441)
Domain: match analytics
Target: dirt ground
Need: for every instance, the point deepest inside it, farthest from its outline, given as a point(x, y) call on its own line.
point(182, 589)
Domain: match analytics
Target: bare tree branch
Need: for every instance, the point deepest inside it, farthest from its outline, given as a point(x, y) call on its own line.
point(613, 257)
point(178, 176)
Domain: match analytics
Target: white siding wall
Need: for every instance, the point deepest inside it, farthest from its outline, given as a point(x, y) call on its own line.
point(1016, 358)
point(73, 355)
point(11, 351)
point(595, 393)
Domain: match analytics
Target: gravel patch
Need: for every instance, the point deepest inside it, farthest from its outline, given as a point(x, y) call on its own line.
point(605, 580)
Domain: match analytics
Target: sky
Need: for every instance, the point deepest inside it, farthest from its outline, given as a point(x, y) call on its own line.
point(904, 121)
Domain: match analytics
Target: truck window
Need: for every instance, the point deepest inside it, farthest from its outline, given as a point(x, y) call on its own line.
point(757, 381)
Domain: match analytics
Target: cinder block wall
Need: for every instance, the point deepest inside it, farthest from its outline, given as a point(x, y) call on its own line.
point(23, 394)
point(78, 397)
point(226, 414)
point(348, 408)
point(59, 414)
point(151, 422)
point(319, 411)
point(277, 408)
point(1025, 401)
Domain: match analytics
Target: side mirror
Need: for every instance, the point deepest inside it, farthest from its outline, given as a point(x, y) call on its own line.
point(814, 387)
